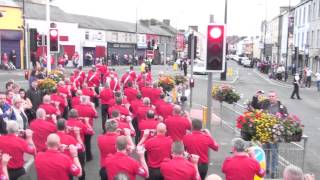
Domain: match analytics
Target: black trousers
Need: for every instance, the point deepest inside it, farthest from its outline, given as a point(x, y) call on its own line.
point(155, 174)
point(295, 91)
point(203, 169)
point(96, 99)
point(82, 159)
point(104, 115)
point(135, 125)
point(103, 174)
point(14, 174)
point(87, 143)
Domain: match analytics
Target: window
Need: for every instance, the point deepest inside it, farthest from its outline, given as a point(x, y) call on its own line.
point(114, 37)
point(311, 39)
point(300, 17)
point(314, 11)
point(308, 39)
point(295, 17)
point(318, 38)
point(309, 13)
point(304, 15)
point(302, 40)
point(86, 36)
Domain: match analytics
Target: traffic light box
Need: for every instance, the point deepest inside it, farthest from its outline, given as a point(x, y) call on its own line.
point(195, 40)
point(33, 38)
point(54, 40)
point(216, 49)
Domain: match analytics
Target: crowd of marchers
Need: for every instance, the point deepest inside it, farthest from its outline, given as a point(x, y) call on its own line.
point(143, 133)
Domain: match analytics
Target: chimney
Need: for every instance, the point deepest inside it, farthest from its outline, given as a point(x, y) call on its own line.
point(166, 22)
point(194, 28)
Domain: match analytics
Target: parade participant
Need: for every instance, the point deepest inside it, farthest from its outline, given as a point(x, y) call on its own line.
point(114, 84)
point(125, 79)
point(105, 95)
point(93, 81)
point(88, 91)
point(177, 124)
point(163, 108)
point(142, 110)
point(81, 75)
point(76, 99)
point(86, 110)
point(242, 165)
point(199, 142)
point(53, 164)
point(48, 107)
point(66, 140)
point(130, 92)
point(132, 74)
point(118, 106)
point(146, 91)
point(155, 92)
point(60, 98)
point(121, 162)
point(178, 167)
point(158, 148)
point(41, 128)
point(5, 158)
point(123, 123)
point(150, 122)
point(16, 146)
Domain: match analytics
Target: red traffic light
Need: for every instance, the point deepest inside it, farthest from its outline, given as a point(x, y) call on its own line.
point(53, 32)
point(216, 32)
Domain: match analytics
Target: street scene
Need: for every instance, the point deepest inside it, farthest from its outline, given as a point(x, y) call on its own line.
point(147, 95)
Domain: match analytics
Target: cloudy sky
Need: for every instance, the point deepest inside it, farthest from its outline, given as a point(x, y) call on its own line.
point(244, 16)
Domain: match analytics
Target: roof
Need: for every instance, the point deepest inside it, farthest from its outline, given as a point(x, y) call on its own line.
point(38, 11)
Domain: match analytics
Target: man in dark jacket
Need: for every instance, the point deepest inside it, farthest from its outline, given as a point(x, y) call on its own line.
point(35, 95)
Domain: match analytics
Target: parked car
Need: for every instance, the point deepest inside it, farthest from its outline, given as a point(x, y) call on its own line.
point(199, 68)
point(246, 62)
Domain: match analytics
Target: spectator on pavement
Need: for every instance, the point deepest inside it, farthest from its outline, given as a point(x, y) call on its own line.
point(318, 81)
point(53, 164)
point(296, 82)
point(180, 167)
point(158, 148)
point(308, 76)
point(121, 162)
point(292, 172)
point(14, 145)
point(199, 142)
point(35, 95)
point(242, 165)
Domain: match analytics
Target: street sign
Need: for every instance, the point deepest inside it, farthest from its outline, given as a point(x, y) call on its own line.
point(150, 54)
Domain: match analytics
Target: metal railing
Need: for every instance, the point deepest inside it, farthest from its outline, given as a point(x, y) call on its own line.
point(287, 153)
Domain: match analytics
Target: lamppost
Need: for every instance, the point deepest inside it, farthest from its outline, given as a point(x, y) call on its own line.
point(288, 36)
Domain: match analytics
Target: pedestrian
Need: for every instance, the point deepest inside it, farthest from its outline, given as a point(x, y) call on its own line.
point(14, 145)
point(296, 82)
point(53, 164)
point(275, 107)
point(121, 162)
point(13, 58)
point(241, 165)
point(308, 77)
point(180, 167)
point(318, 80)
point(185, 67)
point(18, 113)
point(292, 172)
point(199, 142)
point(35, 95)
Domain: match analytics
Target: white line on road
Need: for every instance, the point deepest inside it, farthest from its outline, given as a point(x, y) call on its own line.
point(271, 82)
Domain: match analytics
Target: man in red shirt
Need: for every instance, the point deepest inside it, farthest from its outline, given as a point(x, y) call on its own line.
point(155, 92)
point(130, 92)
point(114, 84)
point(76, 99)
point(158, 148)
point(15, 146)
point(54, 164)
point(61, 99)
point(163, 108)
point(125, 79)
point(120, 162)
point(141, 114)
point(118, 106)
point(148, 123)
point(41, 128)
point(105, 95)
point(242, 165)
point(48, 107)
point(133, 74)
point(86, 110)
point(199, 142)
point(177, 124)
point(146, 91)
point(82, 124)
point(179, 168)
point(93, 81)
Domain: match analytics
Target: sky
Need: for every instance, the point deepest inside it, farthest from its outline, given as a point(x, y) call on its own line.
point(244, 16)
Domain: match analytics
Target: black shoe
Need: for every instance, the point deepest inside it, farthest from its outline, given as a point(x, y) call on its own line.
point(292, 98)
point(300, 98)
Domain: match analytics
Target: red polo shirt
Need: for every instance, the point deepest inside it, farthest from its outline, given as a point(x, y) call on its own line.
point(93, 79)
point(199, 143)
point(135, 104)
point(64, 90)
point(142, 111)
point(69, 140)
point(123, 110)
point(75, 101)
point(86, 111)
point(164, 109)
point(105, 95)
point(15, 147)
point(107, 145)
point(88, 92)
point(177, 126)
point(241, 168)
point(146, 91)
point(61, 100)
point(178, 168)
point(133, 75)
point(50, 109)
point(147, 124)
point(122, 125)
point(155, 94)
point(120, 162)
point(131, 93)
point(41, 130)
point(84, 129)
point(114, 85)
point(158, 148)
point(52, 165)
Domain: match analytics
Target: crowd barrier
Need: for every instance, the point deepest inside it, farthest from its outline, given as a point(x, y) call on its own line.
point(284, 154)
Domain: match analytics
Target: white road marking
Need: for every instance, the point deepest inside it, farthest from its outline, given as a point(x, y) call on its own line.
point(271, 82)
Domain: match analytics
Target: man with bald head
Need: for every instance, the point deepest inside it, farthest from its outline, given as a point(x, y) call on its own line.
point(158, 148)
point(177, 124)
point(55, 164)
point(49, 107)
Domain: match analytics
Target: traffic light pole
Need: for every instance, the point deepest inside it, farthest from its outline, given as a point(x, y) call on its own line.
point(191, 71)
point(48, 36)
point(209, 99)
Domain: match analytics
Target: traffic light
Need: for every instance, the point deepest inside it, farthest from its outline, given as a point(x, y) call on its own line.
point(54, 40)
point(33, 39)
point(195, 39)
point(216, 43)
point(189, 45)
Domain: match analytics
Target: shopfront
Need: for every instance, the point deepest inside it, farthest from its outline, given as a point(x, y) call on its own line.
point(121, 52)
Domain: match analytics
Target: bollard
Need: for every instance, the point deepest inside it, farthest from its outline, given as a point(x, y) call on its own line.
point(204, 116)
